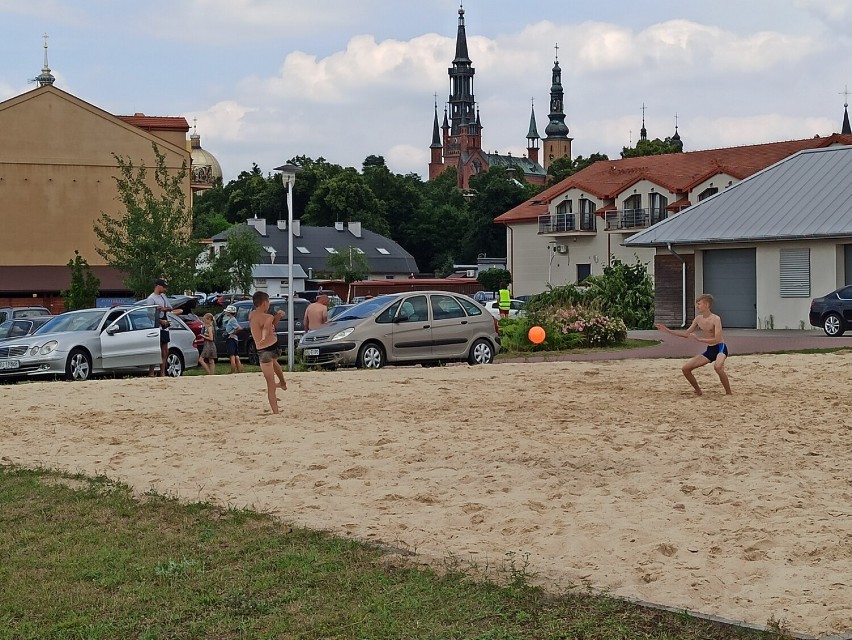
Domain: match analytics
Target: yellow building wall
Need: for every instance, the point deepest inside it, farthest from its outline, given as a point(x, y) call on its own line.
point(56, 174)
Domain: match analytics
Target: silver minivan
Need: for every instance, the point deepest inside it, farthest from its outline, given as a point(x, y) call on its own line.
point(415, 327)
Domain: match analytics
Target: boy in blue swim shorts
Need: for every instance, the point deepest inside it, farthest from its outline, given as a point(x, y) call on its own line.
point(716, 351)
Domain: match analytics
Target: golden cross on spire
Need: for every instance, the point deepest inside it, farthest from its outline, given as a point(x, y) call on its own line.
point(556, 47)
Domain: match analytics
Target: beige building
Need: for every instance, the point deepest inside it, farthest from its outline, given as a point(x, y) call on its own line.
point(56, 178)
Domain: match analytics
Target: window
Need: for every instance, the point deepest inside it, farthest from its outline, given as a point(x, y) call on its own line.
point(587, 214)
point(633, 214)
point(658, 207)
point(711, 191)
point(387, 315)
point(302, 249)
point(471, 308)
point(142, 318)
point(383, 251)
point(331, 249)
point(583, 271)
point(414, 309)
point(795, 281)
point(564, 207)
point(445, 308)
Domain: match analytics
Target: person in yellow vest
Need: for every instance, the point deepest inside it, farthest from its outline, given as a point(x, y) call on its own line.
point(505, 303)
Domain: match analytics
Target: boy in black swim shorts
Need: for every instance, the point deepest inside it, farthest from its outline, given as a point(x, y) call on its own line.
point(716, 352)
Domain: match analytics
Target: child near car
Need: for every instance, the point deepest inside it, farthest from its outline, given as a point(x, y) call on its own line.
point(231, 328)
point(208, 350)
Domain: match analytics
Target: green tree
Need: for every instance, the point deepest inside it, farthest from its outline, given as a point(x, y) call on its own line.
point(346, 198)
point(239, 256)
point(653, 147)
point(349, 265)
point(151, 238)
point(83, 292)
point(563, 167)
point(494, 279)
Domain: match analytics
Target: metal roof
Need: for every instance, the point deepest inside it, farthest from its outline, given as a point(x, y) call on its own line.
point(807, 195)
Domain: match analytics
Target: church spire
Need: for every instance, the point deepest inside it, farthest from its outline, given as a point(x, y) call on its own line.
point(45, 77)
point(643, 132)
point(436, 131)
point(846, 129)
point(557, 144)
point(532, 135)
point(462, 102)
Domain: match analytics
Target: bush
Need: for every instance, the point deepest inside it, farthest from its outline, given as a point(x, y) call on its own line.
point(597, 329)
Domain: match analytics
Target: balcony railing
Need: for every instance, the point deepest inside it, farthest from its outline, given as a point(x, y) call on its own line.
point(633, 218)
point(566, 222)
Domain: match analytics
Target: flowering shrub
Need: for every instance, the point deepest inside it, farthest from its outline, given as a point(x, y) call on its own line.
point(597, 329)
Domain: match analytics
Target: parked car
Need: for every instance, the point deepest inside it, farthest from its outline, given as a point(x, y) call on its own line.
point(337, 310)
point(405, 328)
point(246, 347)
point(516, 308)
point(833, 312)
point(10, 313)
point(78, 344)
point(21, 327)
point(484, 296)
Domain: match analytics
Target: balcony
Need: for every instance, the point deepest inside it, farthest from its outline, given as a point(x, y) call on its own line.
point(567, 223)
point(633, 219)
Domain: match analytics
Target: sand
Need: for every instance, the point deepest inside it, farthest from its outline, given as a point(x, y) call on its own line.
point(611, 474)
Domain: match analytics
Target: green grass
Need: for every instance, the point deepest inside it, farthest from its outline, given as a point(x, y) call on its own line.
point(82, 558)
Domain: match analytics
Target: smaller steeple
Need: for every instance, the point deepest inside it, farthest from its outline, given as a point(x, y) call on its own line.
point(643, 132)
point(846, 129)
point(194, 138)
point(436, 131)
point(532, 135)
point(45, 77)
point(676, 137)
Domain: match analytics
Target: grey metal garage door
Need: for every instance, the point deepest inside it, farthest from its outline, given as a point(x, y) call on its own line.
point(731, 276)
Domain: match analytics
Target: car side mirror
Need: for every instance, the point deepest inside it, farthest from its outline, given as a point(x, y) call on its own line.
point(112, 329)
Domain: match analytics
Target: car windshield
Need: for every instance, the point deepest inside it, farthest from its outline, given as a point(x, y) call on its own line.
point(367, 308)
point(76, 321)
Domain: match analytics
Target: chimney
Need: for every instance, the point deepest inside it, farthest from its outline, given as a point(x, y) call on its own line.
point(338, 226)
point(282, 225)
point(297, 228)
point(259, 224)
point(355, 229)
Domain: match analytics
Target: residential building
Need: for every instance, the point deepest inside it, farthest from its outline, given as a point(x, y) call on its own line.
point(458, 141)
point(312, 247)
point(763, 247)
point(576, 227)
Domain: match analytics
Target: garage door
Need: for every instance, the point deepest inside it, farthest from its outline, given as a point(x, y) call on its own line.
point(730, 275)
point(847, 258)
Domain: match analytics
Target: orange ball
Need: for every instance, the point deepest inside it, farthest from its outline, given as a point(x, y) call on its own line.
point(536, 335)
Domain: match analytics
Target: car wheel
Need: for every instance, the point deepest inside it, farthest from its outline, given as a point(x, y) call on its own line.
point(251, 350)
point(833, 325)
point(78, 366)
point(371, 356)
point(481, 352)
point(174, 364)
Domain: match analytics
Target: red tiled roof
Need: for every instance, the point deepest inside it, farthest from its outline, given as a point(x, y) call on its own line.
point(157, 123)
point(677, 172)
point(677, 205)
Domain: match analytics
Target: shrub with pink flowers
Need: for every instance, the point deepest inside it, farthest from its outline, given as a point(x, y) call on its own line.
point(597, 329)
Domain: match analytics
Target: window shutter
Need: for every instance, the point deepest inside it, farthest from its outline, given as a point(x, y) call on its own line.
point(795, 273)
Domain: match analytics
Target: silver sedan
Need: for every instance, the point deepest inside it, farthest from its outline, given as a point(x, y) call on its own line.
point(77, 344)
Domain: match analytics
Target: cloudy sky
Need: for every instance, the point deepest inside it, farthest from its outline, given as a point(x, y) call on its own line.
point(343, 79)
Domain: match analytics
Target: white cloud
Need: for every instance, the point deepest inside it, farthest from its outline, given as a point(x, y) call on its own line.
point(835, 14)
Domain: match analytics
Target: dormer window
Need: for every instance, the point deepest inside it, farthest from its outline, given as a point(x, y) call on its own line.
point(302, 249)
point(331, 249)
point(710, 191)
point(564, 207)
point(658, 207)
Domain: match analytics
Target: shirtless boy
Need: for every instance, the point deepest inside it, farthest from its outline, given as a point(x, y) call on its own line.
point(716, 352)
point(262, 326)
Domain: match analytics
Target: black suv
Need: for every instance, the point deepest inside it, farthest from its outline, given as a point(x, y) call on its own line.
point(246, 348)
point(833, 312)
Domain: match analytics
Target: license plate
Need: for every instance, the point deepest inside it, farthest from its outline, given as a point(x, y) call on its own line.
point(311, 352)
point(9, 364)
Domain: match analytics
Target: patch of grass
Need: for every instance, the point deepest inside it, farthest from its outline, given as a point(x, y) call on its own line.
point(84, 558)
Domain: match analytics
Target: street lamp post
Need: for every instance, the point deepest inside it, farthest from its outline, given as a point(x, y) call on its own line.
point(288, 175)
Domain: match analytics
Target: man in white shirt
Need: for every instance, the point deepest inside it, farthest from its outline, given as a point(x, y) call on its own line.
point(159, 299)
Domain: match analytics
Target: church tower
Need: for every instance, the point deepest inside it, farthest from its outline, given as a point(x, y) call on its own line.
point(557, 144)
point(532, 137)
point(436, 149)
point(464, 133)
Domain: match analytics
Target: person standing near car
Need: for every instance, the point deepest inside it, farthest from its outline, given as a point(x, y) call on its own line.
point(232, 342)
point(208, 350)
point(158, 299)
point(262, 326)
point(505, 303)
point(316, 314)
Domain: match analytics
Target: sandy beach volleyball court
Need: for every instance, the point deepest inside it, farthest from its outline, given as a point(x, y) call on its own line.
point(611, 473)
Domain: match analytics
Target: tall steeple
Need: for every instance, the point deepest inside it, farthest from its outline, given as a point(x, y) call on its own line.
point(846, 129)
point(532, 135)
point(557, 144)
point(643, 132)
point(462, 102)
point(45, 77)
